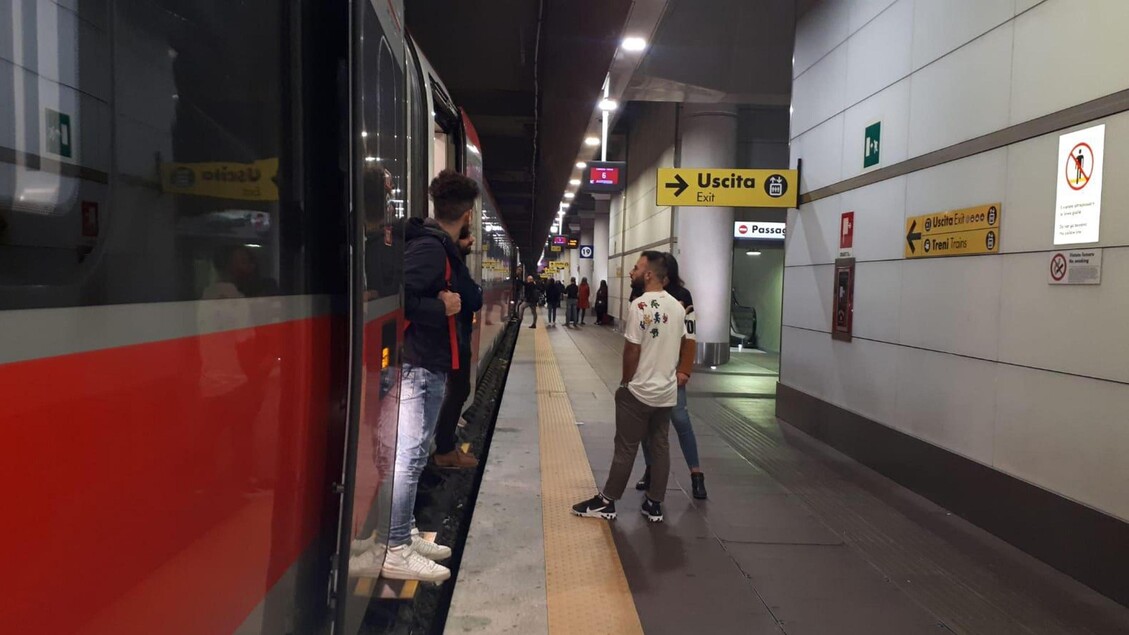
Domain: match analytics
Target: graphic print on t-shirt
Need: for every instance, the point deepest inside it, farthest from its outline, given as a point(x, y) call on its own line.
point(652, 319)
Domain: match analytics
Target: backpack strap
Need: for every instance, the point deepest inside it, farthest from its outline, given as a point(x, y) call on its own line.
point(452, 331)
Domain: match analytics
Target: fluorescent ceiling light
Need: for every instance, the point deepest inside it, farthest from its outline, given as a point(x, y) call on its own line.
point(608, 105)
point(574, 182)
point(634, 44)
point(752, 253)
point(569, 195)
point(592, 141)
point(581, 165)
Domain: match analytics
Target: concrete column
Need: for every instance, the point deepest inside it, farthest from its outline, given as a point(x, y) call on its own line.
point(705, 234)
point(601, 243)
point(586, 264)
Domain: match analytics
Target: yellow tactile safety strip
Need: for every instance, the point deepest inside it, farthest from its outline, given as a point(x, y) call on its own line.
point(584, 581)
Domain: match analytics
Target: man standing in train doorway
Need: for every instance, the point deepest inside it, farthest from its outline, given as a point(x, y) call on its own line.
point(655, 329)
point(432, 275)
point(448, 454)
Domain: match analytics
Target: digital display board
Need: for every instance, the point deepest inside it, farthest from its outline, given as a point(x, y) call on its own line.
point(560, 240)
point(604, 176)
point(573, 243)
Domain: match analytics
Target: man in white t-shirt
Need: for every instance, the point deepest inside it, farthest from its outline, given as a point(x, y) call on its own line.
point(655, 329)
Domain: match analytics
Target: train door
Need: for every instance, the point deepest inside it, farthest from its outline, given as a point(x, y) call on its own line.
point(380, 170)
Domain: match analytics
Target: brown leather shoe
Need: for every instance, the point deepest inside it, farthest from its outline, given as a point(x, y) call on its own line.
point(455, 459)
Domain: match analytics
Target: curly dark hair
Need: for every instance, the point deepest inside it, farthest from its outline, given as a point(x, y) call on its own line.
point(453, 194)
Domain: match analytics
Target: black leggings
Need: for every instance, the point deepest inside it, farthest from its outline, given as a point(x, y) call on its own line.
point(458, 389)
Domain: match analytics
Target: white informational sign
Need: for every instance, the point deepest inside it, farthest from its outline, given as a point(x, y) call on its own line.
point(758, 230)
point(1075, 267)
point(1078, 202)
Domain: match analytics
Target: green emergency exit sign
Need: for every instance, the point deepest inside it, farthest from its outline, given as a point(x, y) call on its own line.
point(872, 145)
point(58, 133)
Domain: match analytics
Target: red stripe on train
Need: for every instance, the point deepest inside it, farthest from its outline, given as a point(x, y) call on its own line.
point(162, 487)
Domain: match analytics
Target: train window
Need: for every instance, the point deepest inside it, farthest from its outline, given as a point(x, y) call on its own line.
point(143, 149)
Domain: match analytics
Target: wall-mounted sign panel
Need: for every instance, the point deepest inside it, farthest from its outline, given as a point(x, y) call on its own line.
point(872, 145)
point(555, 249)
point(586, 251)
point(604, 176)
point(759, 231)
point(1075, 267)
point(238, 181)
point(847, 235)
point(1078, 201)
point(843, 304)
point(964, 232)
point(560, 240)
point(724, 187)
point(573, 243)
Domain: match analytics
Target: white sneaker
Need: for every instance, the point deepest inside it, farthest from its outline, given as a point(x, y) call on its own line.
point(366, 564)
point(430, 550)
point(403, 563)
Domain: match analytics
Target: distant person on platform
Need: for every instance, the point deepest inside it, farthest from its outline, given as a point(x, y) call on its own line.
point(531, 293)
point(433, 268)
point(552, 300)
point(680, 416)
point(572, 299)
point(602, 302)
point(583, 299)
point(447, 453)
point(655, 330)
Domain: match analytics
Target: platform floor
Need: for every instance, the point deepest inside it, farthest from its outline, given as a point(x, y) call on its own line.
point(795, 538)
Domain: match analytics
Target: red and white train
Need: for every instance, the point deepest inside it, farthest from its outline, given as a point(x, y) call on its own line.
point(201, 209)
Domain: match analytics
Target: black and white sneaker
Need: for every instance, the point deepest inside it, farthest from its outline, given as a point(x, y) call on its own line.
point(653, 510)
point(595, 507)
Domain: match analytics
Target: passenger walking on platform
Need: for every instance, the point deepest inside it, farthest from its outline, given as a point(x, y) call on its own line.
point(432, 271)
point(655, 330)
point(602, 302)
point(447, 452)
point(584, 295)
point(572, 298)
point(531, 293)
point(680, 416)
point(553, 299)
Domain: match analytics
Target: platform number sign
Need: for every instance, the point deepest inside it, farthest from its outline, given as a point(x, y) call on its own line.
point(872, 145)
point(586, 251)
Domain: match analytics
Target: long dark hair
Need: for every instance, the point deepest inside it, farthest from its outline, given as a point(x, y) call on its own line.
point(672, 277)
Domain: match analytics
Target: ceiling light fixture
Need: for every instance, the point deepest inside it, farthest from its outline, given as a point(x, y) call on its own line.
point(569, 195)
point(752, 253)
point(581, 165)
point(574, 182)
point(608, 105)
point(634, 44)
point(592, 141)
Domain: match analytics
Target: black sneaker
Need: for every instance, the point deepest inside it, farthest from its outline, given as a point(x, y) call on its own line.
point(532, 326)
point(645, 482)
point(595, 507)
point(698, 485)
point(653, 510)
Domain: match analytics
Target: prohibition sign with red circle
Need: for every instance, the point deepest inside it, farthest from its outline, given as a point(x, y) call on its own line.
point(1072, 165)
point(1058, 267)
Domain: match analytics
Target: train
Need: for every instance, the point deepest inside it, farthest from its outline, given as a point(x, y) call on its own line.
point(201, 238)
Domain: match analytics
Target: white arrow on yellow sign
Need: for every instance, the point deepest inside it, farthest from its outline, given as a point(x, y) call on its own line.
point(725, 187)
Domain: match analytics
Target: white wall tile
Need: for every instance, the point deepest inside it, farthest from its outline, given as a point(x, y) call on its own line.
point(891, 107)
point(823, 28)
point(963, 95)
point(878, 290)
point(879, 54)
point(879, 219)
point(860, 376)
point(820, 93)
point(1067, 434)
point(975, 180)
point(821, 148)
point(952, 305)
point(863, 11)
point(1077, 329)
point(1064, 55)
point(941, 26)
point(813, 233)
point(949, 401)
point(807, 297)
